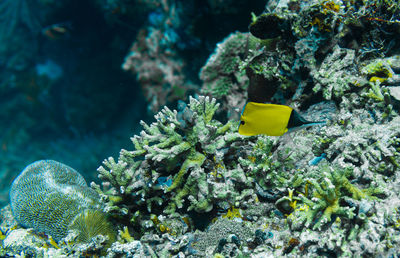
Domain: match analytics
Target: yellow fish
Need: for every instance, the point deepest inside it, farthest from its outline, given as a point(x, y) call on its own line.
point(270, 119)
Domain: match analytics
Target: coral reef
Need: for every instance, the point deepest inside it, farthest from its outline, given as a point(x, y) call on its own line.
point(216, 239)
point(158, 68)
point(337, 74)
point(328, 204)
point(320, 45)
point(329, 191)
point(20, 241)
point(192, 186)
point(154, 57)
point(48, 84)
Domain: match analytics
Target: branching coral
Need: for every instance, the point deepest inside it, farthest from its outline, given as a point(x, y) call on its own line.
point(337, 74)
point(192, 150)
point(266, 165)
point(327, 192)
point(372, 147)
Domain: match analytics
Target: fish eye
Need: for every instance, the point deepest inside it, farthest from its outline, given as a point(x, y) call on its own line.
point(242, 122)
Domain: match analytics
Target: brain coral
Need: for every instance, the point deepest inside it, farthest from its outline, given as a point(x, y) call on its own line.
point(48, 196)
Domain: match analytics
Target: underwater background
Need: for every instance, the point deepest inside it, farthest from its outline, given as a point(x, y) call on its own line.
point(119, 128)
point(64, 93)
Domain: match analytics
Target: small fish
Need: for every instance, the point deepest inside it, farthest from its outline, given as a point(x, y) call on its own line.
point(317, 160)
point(271, 119)
point(57, 31)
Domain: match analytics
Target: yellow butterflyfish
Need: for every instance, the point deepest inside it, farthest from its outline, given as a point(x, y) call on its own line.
point(270, 119)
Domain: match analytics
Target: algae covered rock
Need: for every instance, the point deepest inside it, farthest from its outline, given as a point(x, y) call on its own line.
point(48, 196)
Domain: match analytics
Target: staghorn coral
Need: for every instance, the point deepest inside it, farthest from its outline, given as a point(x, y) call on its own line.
point(195, 152)
point(54, 198)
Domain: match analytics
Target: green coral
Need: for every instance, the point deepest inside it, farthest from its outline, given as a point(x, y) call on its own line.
point(190, 149)
point(373, 146)
point(376, 92)
point(324, 198)
point(224, 62)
